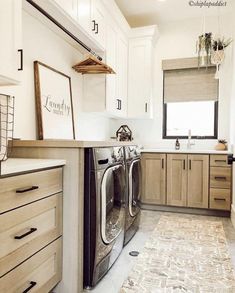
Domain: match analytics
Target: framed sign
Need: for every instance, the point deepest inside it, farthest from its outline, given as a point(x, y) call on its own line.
point(53, 103)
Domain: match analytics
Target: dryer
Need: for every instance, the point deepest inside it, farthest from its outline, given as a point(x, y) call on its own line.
point(104, 211)
point(133, 177)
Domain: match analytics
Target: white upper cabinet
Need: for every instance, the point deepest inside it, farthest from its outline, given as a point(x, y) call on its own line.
point(122, 70)
point(84, 14)
point(98, 21)
point(111, 60)
point(70, 6)
point(140, 77)
point(11, 53)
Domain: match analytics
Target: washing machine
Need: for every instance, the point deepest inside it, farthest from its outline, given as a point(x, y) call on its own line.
point(133, 178)
point(104, 211)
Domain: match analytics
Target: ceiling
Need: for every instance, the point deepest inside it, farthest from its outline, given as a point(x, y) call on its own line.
point(148, 12)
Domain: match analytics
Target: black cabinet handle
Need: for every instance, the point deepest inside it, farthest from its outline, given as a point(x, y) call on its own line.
point(119, 107)
point(190, 165)
point(26, 189)
point(222, 178)
point(21, 60)
point(220, 199)
point(117, 104)
point(146, 107)
point(32, 230)
point(162, 163)
point(94, 25)
point(97, 28)
point(184, 165)
point(32, 284)
point(221, 161)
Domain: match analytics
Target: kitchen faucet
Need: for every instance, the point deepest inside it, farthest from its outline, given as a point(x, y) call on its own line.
point(190, 143)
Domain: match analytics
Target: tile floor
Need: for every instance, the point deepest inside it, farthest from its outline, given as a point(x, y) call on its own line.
point(114, 279)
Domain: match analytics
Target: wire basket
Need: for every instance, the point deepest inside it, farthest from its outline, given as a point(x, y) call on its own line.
point(7, 105)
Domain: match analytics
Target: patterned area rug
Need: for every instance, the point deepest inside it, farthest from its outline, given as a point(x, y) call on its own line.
point(183, 255)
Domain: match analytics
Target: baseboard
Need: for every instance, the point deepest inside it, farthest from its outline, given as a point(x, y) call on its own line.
point(195, 211)
point(233, 215)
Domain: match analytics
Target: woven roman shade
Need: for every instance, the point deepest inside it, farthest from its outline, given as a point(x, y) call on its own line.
point(191, 84)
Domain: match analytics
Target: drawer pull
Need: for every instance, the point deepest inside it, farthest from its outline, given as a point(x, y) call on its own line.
point(26, 189)
point(222, 178)
point(25, 234)
point(219, 199)
point(221, 161)
point(32, 284)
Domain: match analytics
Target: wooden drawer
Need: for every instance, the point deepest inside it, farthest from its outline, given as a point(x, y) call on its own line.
point(220, 177)
point(35, 225)
point(41, 272)
point(23, 189)
point(220, 199)
point(219, 160)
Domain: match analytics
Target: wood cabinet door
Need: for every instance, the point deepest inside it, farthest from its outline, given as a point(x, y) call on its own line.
point(198, 181)
point(177, 180)
point(154, 178)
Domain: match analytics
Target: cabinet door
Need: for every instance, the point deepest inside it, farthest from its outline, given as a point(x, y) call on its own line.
point(70, 6)
point(98, 21)
point(198, 181)
point(153, 178)
point(84, 14)
point(121, 75)
point(10, 33)
point(177, 180)
point(140, 78)
point(111, 60)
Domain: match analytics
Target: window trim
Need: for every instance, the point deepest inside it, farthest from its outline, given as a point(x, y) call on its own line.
point(164, 124)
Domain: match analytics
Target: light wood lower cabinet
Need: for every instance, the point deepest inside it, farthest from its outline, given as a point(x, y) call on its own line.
point(154, 178)
point(187, 180)
point(198, 181)
point(38, 274)
point(31, 231)
point(177, 180)
point(185, 184)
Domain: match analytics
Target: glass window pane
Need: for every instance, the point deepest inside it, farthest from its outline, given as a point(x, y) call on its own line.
point(197, 116)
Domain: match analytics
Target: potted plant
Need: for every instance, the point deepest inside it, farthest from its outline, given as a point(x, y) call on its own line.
point(218, 52)
point(221, 145)
point(204, 45)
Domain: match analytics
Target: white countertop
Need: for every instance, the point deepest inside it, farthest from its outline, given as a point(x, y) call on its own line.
point(14, 166)
point(185, 151)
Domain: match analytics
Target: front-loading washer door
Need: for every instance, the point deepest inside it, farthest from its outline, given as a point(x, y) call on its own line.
point(134, 187)
point(112, 200)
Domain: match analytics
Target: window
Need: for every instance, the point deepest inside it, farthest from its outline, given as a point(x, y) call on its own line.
point(190, 102)
point(200, 117)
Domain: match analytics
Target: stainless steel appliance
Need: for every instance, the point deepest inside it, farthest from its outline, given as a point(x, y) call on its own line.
point(104, 211)
point(133, 173)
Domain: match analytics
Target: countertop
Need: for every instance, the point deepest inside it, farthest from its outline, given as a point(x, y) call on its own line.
point(15, 166)
point(186, 151)
point(69, 143)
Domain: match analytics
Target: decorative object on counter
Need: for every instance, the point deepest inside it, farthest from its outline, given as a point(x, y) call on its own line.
point(222, 145)
point(91, 65)
point(124, 133)
point(177, 144)
point(218, 52)
point(54, 103)
point(7, 105)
